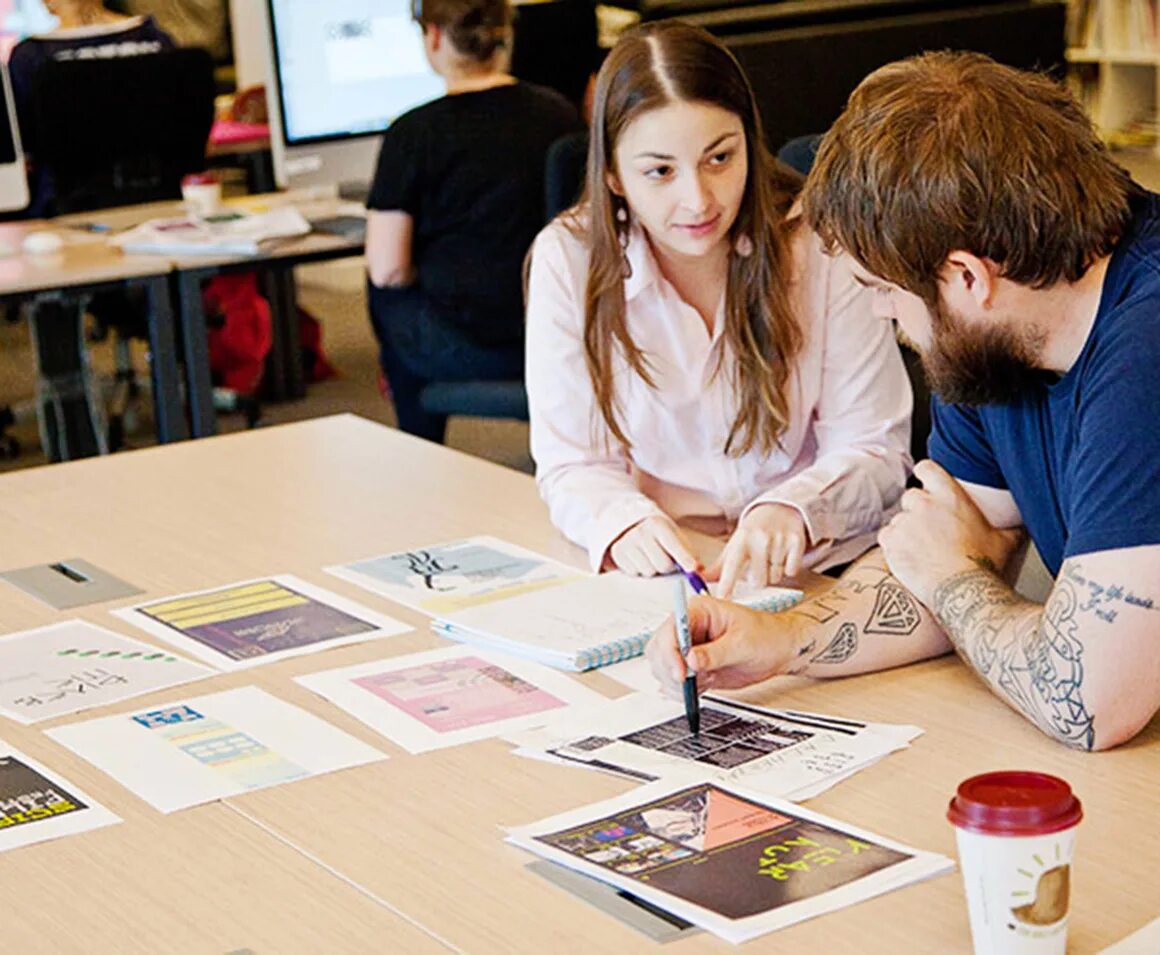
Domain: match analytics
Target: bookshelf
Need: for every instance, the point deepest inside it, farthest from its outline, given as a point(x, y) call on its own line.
point(1114, 67)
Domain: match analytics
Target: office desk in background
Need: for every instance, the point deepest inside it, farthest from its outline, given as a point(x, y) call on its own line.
point(276, 262)
point(420, 835)
point(87, 264)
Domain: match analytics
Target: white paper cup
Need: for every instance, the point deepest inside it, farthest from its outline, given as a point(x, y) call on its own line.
point(202, 198)
point(1016, 839)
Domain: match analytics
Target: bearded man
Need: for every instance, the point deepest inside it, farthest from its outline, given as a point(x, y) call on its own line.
point(1024, 265)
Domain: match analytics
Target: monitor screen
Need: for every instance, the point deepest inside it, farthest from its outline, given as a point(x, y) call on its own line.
point(21, 18)
point(347, 67)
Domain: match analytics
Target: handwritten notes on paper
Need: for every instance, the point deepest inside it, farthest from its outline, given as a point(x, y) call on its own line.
point(73, 666)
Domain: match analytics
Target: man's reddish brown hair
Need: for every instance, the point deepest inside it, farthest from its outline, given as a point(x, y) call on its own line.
point(953, 151)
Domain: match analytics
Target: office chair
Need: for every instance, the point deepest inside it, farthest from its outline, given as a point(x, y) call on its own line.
point(109, 133)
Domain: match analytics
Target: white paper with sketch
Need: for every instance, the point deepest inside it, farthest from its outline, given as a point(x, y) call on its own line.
point(37, 805)
point(488, 592)
point(453, 695)
point(211, 747)
point(646, 737)
point(73, 666)
point(735, 862)
point(258, 621)
point(442, 579)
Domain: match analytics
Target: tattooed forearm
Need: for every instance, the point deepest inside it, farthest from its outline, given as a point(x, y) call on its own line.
point(1029, 654)
point(867, 600)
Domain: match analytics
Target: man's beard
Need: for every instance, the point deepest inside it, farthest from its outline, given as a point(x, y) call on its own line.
point(981, 366)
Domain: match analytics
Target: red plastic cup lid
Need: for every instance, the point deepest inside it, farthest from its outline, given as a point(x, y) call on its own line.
point(1014, 804)
point(199, 179)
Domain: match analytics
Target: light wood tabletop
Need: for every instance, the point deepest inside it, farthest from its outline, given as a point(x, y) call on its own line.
point(422, 835)
point(83, 259)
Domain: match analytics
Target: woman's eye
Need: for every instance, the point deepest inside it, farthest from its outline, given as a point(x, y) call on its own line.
point(658, 172)
point(721, 158)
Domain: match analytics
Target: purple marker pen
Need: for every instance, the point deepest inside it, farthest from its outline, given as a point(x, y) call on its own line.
point(694, 579)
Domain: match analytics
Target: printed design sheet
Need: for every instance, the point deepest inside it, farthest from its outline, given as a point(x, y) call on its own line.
point(445, 697)
point(726, 859)
point(447, 578)
point(258, 621)
point(36, 805)
point(212, 747)
point(73, 666)
point(787, 754)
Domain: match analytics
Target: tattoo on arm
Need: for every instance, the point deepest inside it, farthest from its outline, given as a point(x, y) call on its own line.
point(841, 648)
point(895, 611)
point(1030, 654)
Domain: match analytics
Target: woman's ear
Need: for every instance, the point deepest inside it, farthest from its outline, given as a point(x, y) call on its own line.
point(614, 185)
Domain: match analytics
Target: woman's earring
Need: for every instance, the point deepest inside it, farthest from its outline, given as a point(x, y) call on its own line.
point(743, 246)
point(625, 264)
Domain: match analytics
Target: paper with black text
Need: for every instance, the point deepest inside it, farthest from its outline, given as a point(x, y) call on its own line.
point(647, 737)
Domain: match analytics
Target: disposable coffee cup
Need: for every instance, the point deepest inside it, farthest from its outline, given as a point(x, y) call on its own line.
point(202, 194)
point(1016, 839)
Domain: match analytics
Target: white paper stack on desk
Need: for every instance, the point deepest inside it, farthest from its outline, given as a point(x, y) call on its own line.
point(230, 233)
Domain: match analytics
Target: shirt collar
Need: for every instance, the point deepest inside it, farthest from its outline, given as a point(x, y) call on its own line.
point(643, 268)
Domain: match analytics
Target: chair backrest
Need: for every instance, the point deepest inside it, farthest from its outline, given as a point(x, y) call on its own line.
point(125, 130)
point(564, 168)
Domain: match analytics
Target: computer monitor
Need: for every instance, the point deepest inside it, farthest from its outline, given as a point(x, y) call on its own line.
point(341, 72)
point(19, 19)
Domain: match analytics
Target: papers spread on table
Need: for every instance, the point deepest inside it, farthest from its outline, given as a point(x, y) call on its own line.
point(72, 666)
point(232, 232)
point(449, 696)
point(727, 859)
point(257, 621)
point(211, 747)
point(37, 805)
point(488, 592)
point(646, 737)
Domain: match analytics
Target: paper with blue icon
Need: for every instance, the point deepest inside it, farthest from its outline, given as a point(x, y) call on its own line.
point(211, 747)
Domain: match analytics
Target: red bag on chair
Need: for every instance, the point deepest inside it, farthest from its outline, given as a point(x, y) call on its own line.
point(240, 333)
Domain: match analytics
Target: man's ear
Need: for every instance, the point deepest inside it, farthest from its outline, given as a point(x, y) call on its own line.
point(968, 280)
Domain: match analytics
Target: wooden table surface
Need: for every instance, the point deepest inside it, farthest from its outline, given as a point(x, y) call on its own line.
point(410, 850)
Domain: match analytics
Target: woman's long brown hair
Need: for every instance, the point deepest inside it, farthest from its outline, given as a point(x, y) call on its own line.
point(648, 68)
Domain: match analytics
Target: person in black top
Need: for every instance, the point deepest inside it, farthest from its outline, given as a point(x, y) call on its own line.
point(457, 199)
point(86, 30)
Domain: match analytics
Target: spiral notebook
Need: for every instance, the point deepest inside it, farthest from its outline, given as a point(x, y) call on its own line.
point(593, 622)
point(492, 593)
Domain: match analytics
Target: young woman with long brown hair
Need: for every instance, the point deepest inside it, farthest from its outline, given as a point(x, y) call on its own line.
point(694, 357)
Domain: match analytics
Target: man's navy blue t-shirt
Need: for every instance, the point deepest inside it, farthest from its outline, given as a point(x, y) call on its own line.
point(1081, 455)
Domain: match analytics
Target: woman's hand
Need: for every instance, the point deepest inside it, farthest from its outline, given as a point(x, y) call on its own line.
point(652, 546)
point(769, 541)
